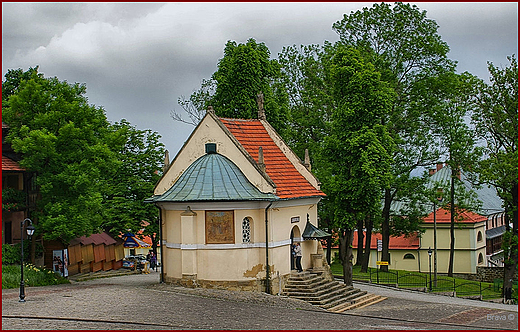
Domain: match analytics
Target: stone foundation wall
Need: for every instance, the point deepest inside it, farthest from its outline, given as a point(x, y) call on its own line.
point(233, 285)
point(488, 274)
point(484, 274)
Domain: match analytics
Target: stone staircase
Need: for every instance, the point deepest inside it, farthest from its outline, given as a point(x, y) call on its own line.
point(330, 295)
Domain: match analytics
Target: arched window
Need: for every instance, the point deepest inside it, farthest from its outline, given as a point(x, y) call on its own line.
point(479, 236)
point(480, 259)
point(409, 256)
point(246, 230)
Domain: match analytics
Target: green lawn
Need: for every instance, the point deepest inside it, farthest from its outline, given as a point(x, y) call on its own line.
point(421, 281)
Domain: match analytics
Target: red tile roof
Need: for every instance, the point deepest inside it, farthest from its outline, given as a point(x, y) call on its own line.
point(289, 182)
point(10, 165)
point(444, 216)
point(96, 239)
point(396, 242)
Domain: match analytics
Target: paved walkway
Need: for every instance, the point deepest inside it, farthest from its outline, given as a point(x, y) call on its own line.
point(139, 302)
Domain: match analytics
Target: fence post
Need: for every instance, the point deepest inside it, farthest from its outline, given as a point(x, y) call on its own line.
point(480, 290)
point(377, 273)
point(397, 278)
point(454, 291)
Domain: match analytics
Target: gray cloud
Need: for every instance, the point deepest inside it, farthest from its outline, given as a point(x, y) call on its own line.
point(137, 59)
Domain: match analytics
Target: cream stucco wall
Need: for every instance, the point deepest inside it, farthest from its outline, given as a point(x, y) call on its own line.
point(186, 252)
point(467, 250)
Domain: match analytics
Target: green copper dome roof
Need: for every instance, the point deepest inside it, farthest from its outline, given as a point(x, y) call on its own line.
point(212, 177)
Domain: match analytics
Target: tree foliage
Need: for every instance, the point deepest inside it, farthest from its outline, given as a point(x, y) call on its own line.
point(244, 71)
point(406, 49)
point(358, 151)
point(60, 138)
point(140, 155)
point(496, 118)
point(91, 175)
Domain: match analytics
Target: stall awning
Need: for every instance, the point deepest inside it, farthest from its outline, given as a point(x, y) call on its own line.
point(312, 232)
point(131, 241)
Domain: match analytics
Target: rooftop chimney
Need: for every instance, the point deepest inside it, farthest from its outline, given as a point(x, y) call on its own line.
point(260, 102)
point(166, 161)
point(261, 162)
point(307, 160)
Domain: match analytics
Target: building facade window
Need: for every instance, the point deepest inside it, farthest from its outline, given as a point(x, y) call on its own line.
point(246, 230)
point(409, 256)
point(480, 259)
point(479, 236)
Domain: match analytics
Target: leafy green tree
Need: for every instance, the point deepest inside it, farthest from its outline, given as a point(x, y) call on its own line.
point(456, 94)
point(245, 71)
point(310, 96)
point(496, 119)
point(60, 137)
point(358, 150)
point(140, 156)
point(407, 50)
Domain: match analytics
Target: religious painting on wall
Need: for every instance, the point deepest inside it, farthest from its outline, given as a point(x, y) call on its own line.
point(220, 227)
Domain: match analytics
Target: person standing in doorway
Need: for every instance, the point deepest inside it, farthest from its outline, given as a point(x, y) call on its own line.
point(298, 254)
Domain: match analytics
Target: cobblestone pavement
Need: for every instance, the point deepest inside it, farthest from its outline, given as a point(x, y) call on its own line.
point(140, 302)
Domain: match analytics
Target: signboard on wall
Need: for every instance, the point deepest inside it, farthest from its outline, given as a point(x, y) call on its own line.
point(220, 227)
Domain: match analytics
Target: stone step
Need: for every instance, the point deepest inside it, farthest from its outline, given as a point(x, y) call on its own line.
point(330, 295)
point(324, 294)
point(360, 302)
point(348, 297)
point(306, 283)
point(314, 288)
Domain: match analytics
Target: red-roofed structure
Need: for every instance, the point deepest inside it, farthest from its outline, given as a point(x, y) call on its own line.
point(10, 165)
point(464, 217)
point(411, 242)
point(252, 135)
point(222, 199)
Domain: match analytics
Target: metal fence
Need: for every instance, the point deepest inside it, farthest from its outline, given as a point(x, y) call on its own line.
point(428, 283)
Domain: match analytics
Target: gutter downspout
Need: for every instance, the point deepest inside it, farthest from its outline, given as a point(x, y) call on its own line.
point(161, 242)
point(267, 268)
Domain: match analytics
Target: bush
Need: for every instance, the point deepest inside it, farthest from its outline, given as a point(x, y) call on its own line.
point(11, 252)
point(33, 276)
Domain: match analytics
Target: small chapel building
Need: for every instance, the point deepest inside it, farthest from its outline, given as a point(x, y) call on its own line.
point(232, 202)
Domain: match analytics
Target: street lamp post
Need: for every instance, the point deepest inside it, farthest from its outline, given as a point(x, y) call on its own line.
point(30, 232)
point(430, 259)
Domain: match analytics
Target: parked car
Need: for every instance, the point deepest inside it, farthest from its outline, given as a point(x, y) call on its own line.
point(134, 261)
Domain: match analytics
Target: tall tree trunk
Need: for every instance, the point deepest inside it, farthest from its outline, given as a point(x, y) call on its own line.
point(368, 240)
point(511, 253)
point(359, 254)
point(345, 251)
point(385, 230)
point(452, 223)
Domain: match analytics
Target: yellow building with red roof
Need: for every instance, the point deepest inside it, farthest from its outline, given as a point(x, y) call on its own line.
point(233, 201)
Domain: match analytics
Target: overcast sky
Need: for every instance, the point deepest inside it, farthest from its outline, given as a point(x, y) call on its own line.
point(137, 59)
